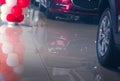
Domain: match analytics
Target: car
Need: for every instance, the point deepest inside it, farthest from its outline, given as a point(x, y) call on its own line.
point(69, 8)
point(108, 34)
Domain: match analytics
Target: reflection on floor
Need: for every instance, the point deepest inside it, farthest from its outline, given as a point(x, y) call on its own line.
point(52, 50)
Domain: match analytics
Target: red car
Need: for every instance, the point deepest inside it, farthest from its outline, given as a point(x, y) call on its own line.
point(69, 8)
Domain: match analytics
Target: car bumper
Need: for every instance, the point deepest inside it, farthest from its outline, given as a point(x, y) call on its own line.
point(71, 9)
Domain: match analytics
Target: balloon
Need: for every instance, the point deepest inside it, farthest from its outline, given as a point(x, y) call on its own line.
point(7, 48)
point(19, 18)
point(2, 2)
point(11, 2)
point(10, 18)
point(5, 9)
point(23, 3)
point(3, 17)
point(16, 11)
point(12, 60)
point(18, 69)
point(13, 9)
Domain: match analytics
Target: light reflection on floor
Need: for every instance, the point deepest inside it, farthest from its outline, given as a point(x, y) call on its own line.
point(52, 50)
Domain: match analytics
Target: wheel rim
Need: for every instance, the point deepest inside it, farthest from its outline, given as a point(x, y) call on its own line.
point(104, 35)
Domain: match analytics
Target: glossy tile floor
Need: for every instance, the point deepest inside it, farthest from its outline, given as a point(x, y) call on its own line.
point(51, 50)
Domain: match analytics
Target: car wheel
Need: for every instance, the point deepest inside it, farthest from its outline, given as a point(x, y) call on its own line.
point(106, 51)
point(48, 13)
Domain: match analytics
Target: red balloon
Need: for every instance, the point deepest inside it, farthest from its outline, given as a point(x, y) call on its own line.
point(23, 3)
point(2, 2)
point(10, 18)
point(16, 11)
point(19, 18)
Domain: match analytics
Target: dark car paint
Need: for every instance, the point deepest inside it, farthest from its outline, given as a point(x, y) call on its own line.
point(86, 4)
point(81, 9)
point(114, 11)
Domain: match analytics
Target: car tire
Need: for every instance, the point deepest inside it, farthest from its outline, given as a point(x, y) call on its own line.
point(106, 51)
point(48, 13)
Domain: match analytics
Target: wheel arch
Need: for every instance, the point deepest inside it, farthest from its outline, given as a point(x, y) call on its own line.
point(103, 4)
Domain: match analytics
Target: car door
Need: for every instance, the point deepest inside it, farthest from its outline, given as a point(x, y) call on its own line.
point(86, 4)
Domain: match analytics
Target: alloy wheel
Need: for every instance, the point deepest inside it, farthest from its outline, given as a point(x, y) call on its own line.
point(104, 35)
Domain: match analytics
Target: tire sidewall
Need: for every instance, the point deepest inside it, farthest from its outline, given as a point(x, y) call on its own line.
point(104, 60)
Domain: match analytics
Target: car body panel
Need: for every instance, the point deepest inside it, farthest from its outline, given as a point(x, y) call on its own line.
point(87, 7)
point(116, 12)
